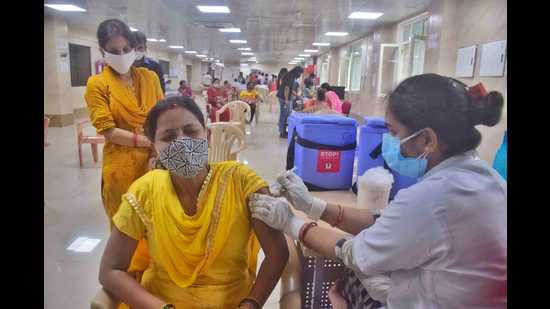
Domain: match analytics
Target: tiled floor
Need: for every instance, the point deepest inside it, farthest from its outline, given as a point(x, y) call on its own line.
point(73, 209)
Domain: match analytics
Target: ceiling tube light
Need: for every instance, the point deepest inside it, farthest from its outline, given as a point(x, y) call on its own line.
point(231, 30)
point(201, 56)
point(237, 41)
point(134, 29)
point(176, 46)
point(162, 40)
point(320, 44)
point(298, 58)
point(304, 55)
point(244, 48)
point(330, 33)
point(247, 54)
point(311, 50)
point(365, 15)
point(190, 52)
point(213, 9)
point(65, 7)
point(152, 40)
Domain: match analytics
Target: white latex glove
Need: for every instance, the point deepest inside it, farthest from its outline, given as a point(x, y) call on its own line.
point(275, 212)
point(300, 197)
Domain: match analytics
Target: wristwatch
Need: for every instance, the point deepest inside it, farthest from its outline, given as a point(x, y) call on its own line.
point(168, 306)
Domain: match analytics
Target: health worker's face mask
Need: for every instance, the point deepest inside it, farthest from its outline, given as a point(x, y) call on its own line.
point(185, 156)
point(410, 167)
point(120, 63)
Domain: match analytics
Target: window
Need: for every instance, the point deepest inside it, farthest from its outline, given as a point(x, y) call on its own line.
point(343, 73)
point(81, 64)
point(412, 47)
point(323, 76)
point(165, 65)
point(354, 83)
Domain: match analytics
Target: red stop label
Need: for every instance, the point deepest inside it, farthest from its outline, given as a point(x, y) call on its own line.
point(328, 161)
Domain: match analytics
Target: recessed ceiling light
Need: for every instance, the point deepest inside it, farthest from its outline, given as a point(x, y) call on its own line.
point(190, 52)
point(152, 40)
point(237, 41)
point(244, 48)
point(133, 29)
point(235, 30)
point(162, 40)
point(304, 55)
point(65, 7)
point(213, 9)
point(201, 56)
point(311, 50)
point(247, 54)
point(320, 44)
point(336, 33)
point(176, 46)
point(365, 15)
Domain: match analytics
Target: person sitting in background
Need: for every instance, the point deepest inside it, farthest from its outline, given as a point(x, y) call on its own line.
point(217, 97)
point(228, 89)
point(308, 89)
point(185, 90)
point(250, 96)
point(316, 104)
point(332, 98)
point(175, 207)
point(145, 62)
point(206, 81)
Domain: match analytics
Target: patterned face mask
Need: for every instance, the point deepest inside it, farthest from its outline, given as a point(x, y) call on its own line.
point(185, 156)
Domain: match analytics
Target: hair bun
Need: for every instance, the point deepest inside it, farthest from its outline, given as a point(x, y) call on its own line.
point(487, 110)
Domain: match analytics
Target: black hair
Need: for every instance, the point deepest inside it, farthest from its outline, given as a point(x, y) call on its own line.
point(215, 80)
point(251, 83)
point(290, 77)
point(308, 83)
point(312, 75)
point(325, 86)
point(150, 126)
point(321, 94)
point(140, 37)
point(111, 28)
point(226, 82)
point(182, 81)
point(443, 104)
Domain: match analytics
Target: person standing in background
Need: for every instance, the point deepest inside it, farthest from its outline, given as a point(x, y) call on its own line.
point(146, 62)
point(119, 99)
point(217, 97)
point(287, 86)
point(206, 81)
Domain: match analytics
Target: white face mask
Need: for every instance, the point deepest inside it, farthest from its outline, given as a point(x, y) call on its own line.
point(120, 63)
point(140, 55)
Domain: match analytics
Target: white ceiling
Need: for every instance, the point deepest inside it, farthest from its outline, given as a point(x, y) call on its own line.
point(276, 30)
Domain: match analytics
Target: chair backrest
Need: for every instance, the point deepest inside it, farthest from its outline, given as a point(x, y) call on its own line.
point(262, 91)
point(237, 111)
point(223, 136)
point(346, 107)
point(317, 277)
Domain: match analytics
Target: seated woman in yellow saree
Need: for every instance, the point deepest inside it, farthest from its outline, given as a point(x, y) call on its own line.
point(194, 215)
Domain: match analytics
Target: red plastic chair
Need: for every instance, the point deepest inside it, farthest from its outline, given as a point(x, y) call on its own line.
point(46, 125)
point(84, 139)
point(346, 108)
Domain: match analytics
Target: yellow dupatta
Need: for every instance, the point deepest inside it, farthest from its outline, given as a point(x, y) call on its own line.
point(188, 245)
point(124, 103)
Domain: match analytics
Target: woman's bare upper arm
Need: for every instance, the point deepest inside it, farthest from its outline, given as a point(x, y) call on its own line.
point(270, 238)
point(118, 251)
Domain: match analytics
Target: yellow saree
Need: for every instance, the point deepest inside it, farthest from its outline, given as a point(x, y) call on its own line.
point(111, 104)
point(207, 260)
